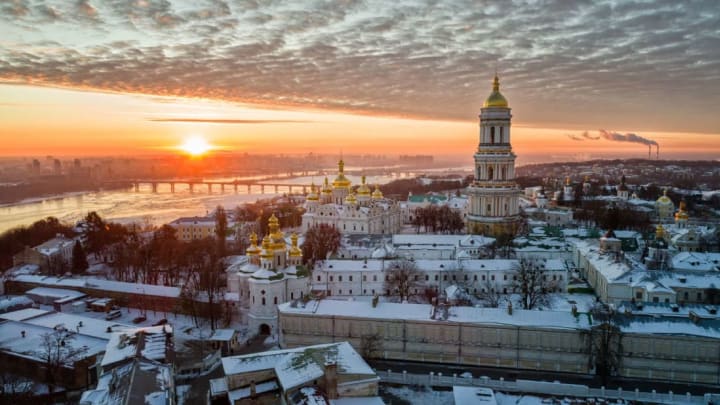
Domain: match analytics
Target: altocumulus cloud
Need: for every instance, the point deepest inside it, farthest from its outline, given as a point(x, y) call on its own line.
point(629, 64)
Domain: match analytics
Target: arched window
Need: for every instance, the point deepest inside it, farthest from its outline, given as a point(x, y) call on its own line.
point(263, 300)
point(501, 135)
point(489, 208)
point(503, 172)
point(275, 300)
point(490, 173)
point(492, 134)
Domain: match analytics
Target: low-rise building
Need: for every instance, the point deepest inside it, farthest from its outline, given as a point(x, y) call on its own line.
point(653, 347)
point(191, 228)
point(52, 255)
point(321, 372)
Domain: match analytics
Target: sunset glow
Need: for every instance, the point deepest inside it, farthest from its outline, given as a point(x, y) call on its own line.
point(195, 146)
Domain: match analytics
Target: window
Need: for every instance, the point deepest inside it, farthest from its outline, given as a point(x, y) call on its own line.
point(490, 175)
point(482, 277)
point(350, 278)
point(454, 278)
point(416, 278)
point(638, 295)
point(699, 296)
point(656, 299)
point(492, 134)
point(445, 277)
point(686, 295)
point(436, 277)
point(475, 277)
point(339, 278)
point(374, 278)
point(427, 278)
point(492, 278)
point(263, 300)
point(505, 277)
point(253, 299)
point(364, 278)
point(365, 292)
point(350, 292)
point(373, 292)
point(318, 278)
point(275, 300)
point(501, 134)
point(339, 292)
point(292, 295)
point(466, 277)
point(331, 278)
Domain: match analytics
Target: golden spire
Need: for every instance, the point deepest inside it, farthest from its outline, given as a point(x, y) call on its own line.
point(294, 249)
point(274, 231)
point(326, 187)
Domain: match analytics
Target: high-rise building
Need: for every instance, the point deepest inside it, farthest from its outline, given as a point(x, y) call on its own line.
point(493, 208)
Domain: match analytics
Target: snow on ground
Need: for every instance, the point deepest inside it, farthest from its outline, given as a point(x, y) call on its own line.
point(428, 396)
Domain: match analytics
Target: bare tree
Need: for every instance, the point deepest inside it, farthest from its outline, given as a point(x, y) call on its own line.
point(490, 294)
point(530, 281)
point(320, 242)
point(370, 345)
point(221, 229)
point(402, 278)
point(56, 351)
point(604, 343)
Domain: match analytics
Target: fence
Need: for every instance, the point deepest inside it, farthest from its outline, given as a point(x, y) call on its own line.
point(539, 387)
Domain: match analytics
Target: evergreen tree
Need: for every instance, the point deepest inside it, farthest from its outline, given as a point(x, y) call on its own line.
point(79, 258)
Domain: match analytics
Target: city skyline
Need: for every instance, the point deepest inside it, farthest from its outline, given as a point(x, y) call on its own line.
point(91, 78)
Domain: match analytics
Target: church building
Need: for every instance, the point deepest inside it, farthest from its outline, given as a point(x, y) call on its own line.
point(494, 196)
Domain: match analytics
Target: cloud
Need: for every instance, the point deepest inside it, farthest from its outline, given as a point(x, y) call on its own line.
point(587, 63)
point(227, 121)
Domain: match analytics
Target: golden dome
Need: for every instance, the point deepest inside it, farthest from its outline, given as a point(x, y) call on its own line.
point(294, 249)
point(267, 250)
point(274, 230)
point(659, 232)
point(326, 187)
point(496, 99)
point(682, 213)
point(664, 199)
point(377, 194)
point(350, 199)
point(253, 249)
point(363, 190)
point(313, 195)
point(341, 181)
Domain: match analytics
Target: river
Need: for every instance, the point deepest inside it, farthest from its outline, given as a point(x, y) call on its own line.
point(144, 206)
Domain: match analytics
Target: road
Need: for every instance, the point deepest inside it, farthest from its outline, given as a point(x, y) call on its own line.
point(627, 384)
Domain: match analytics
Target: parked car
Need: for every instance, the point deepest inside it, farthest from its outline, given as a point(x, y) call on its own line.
point(139, 319)
point(161, 322)
point(116, 313)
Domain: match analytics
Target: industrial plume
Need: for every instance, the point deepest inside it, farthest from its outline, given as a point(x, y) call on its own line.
point(618, 137)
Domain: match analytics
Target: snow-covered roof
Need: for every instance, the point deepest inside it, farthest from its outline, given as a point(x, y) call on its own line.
point(53, 246)
point(55, 293)
point(473, 396)
point(696, 261)
point(606, 264)
point(31, 346)
point(138, 382)
point(100, 284)
point(15, 302)
point(223, 335)
point(242, 393)
point(357, 401)
point(149, 343)
point(422, 312)
point(296, 366)
point(23, 314)
point(90, 326)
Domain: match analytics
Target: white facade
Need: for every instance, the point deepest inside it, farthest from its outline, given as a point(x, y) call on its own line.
point(367, 277)
point(351, 212)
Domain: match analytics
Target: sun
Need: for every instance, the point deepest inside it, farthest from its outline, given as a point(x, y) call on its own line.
point(195, 146)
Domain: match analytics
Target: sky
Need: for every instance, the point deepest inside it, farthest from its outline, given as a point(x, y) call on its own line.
point(359, 76)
